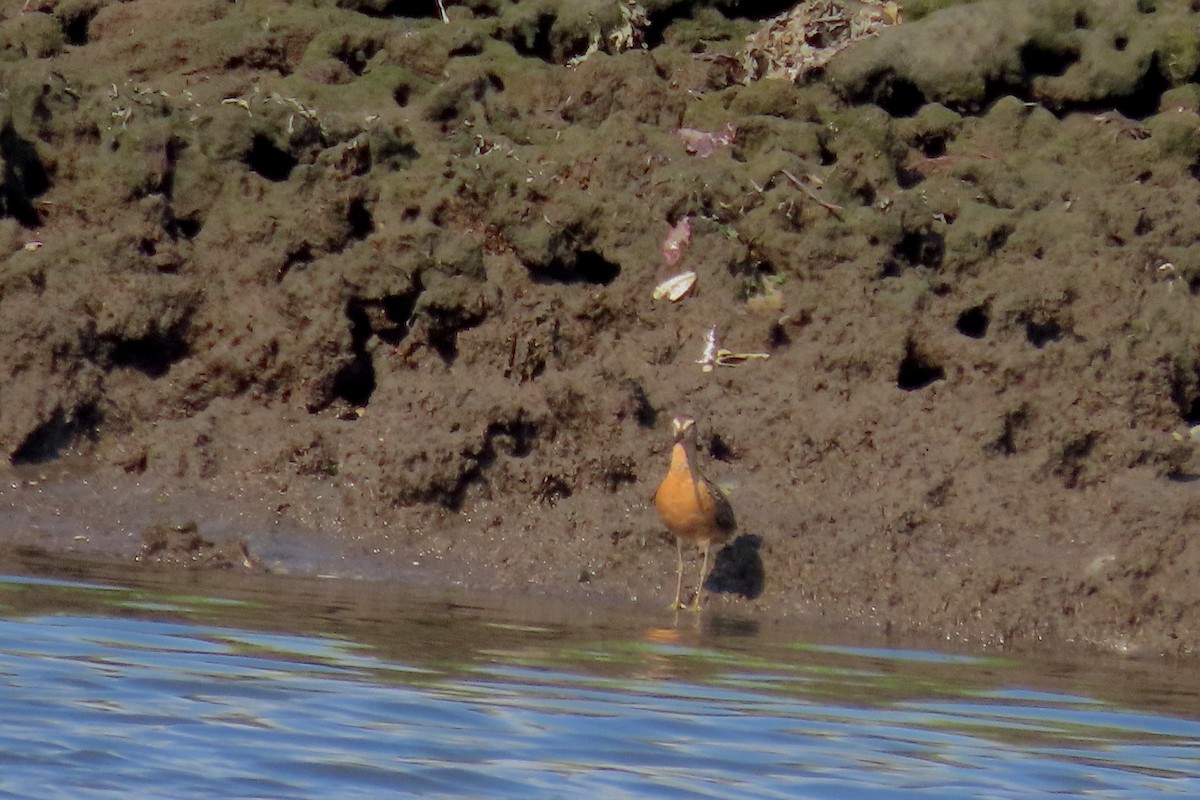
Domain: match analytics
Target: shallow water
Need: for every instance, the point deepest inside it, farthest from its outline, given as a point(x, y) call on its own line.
point(125, 684)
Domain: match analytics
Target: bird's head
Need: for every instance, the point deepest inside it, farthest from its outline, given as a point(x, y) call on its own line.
point(684, 428)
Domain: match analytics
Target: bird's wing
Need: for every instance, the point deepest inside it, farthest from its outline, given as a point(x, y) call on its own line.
point(724, 509)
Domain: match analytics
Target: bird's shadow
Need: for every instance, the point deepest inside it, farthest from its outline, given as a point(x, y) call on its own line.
point(738, 568)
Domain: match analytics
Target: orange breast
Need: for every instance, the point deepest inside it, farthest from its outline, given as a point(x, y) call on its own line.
point(685, 504)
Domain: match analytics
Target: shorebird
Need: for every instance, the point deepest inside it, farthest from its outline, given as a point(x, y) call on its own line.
point(691, 506)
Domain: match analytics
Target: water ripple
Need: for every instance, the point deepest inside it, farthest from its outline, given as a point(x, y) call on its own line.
point(112, 703)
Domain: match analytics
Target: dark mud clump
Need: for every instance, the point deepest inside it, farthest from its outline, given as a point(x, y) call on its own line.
point(393, 277)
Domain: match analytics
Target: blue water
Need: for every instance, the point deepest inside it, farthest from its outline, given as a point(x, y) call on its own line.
point(184, 687)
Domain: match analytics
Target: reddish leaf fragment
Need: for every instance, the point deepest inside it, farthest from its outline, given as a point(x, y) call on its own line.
point(679, 237)
point(704, 143)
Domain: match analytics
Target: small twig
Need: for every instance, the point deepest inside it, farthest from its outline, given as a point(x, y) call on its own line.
point(832, 208)
point(728, 358)
point(240, 102)
point(442, 12)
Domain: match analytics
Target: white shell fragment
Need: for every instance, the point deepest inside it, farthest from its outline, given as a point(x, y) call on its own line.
point(715, 356)
point(675, 287)
point(709, 358)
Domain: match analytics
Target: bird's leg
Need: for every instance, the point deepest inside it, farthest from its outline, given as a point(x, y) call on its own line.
point(695, 606)
point(675, 606)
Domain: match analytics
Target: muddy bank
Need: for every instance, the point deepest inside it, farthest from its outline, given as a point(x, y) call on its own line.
point(391, 278)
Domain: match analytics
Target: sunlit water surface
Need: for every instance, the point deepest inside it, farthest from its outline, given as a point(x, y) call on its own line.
point(125, 685)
